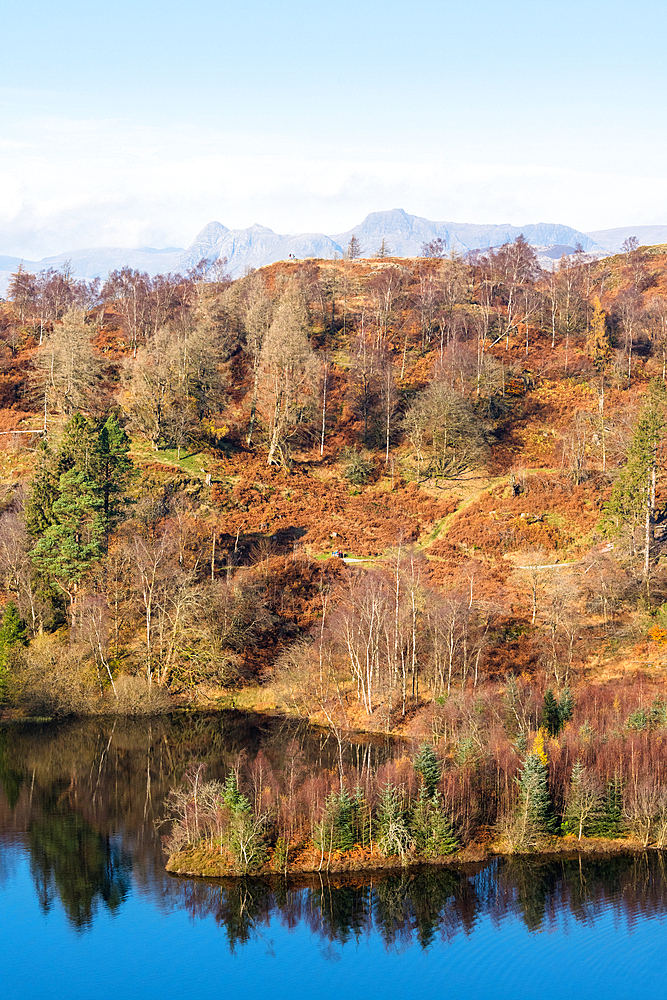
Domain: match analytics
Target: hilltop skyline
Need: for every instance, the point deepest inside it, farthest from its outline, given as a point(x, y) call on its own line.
point(403, 235)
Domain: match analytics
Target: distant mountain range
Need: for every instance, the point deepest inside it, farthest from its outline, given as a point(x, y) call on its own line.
point(404, 235)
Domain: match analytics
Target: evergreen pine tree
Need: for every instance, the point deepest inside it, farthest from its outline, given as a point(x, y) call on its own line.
point(609, 821)
point(534, 816)
point(13, 629)
point(43, 492)
point(428, 767)
point(232, 797)
point(565, 706)
point(79, 445)
point(12, 633)
point(658, 713)
point(336, 830)
point(244, 839)
point(551, 717)
point(384, 250)
point(360, 818)
point(77, 497)
point(430, 828)
point(70, 546)
point(113, 472)
point(632, 501)
point(102, 453)
point(354, 248)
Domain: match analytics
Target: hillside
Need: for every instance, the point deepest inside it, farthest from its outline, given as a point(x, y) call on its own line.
point(249, 489)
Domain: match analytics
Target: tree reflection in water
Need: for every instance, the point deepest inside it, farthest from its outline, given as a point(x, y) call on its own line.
point(70, 859)
point(85, 800)
point(421, 907)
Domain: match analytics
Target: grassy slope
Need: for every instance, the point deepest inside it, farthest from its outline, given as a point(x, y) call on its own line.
point(475, 517)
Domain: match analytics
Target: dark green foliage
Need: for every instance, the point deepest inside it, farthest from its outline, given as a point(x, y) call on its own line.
point(658, 713)
point(113, 473)
point(566, 705)
point(79, 446)
point(466, 752)
point(344, 822)
point(551, 719)
point(638, 720)
point(534, 816)
point(73, 542)
point(280, 855)
point(357, 470)
point(335, 829)
point(43, 493)
point(556, 713)
point(78, 497)
point(648, 718)
point(100, 453)
point(429, 768)
point(12, 633)
point(244, 837)
point(430, 828)
point(232, 797)
point(13, 629)
point(609, 822)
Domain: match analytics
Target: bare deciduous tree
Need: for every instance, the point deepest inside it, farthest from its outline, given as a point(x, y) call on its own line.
point(66, 366)
point(289, 374)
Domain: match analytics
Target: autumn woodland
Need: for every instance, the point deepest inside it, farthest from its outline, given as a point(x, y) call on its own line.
point(419, 497)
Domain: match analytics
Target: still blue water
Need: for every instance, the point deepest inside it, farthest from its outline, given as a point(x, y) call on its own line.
point(102, 919)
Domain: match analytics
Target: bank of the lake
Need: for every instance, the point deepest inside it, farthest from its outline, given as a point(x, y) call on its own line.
point(203, 861)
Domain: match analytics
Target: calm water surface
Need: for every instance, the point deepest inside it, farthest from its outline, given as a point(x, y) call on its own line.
point(86, 908)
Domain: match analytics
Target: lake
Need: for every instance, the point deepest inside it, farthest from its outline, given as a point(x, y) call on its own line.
point(86, 908)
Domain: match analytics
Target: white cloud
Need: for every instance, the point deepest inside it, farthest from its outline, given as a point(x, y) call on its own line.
point(67, 184)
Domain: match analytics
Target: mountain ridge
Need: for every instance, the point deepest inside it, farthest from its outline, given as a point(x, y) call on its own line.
point(403, 233)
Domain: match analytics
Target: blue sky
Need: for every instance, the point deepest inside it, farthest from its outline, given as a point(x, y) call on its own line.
point(137, 123)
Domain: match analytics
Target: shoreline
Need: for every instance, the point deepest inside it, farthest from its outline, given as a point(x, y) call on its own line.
point(208, 862)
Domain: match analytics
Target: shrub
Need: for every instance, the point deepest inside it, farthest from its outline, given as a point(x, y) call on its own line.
point(357, 470)
point(52, 680)
point(135, 696)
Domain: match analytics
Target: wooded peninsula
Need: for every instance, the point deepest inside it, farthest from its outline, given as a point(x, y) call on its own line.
point(423, 498)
